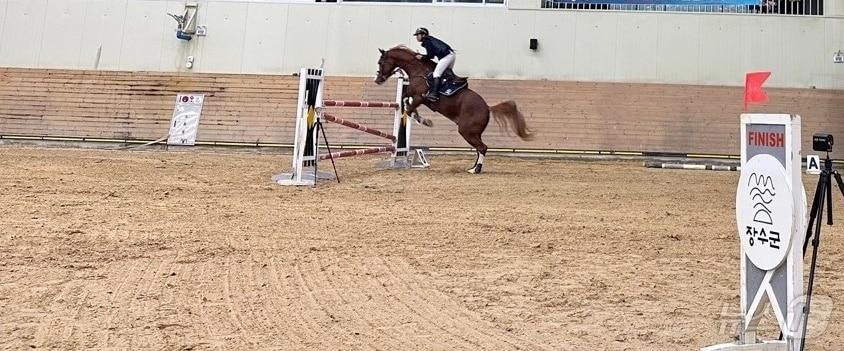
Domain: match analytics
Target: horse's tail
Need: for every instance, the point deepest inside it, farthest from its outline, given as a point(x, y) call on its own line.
point(506, 114)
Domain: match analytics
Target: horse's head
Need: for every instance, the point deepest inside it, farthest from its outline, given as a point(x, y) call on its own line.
point(395, 59)
point(387, 66)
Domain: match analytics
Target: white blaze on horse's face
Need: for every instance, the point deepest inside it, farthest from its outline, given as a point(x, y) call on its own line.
point(381, 77)
point(386, 68)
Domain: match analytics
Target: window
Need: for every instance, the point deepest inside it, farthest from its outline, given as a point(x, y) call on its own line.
point(782, 7)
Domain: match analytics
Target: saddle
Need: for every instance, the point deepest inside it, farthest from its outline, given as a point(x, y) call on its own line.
point(450, 83)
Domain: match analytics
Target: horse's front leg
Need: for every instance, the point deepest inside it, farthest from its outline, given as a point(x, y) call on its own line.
point(415, 102)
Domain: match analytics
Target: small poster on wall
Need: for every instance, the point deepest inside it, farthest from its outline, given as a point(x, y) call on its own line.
point(185, 121)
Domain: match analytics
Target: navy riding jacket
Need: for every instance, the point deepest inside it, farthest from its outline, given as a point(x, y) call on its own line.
point(435, 48)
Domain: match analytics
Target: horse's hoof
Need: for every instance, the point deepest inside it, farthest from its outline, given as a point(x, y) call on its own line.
point(476, 169)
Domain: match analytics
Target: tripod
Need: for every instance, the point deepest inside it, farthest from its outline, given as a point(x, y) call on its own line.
point(823, 193)
point(320, 128)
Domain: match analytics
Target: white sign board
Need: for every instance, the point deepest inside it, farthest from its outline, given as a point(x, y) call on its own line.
point(185, 123)
point(770, 148)
point(770, 218)
point(813, 164)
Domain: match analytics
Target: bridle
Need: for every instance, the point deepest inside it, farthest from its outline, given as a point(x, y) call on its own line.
point(387, 76)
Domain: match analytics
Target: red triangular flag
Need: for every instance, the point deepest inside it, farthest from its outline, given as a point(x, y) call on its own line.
point(753, 88)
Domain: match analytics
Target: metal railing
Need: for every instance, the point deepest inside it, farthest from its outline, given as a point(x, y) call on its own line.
point(773, 7)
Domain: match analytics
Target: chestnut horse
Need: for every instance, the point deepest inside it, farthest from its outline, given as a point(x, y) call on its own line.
point(465, 108)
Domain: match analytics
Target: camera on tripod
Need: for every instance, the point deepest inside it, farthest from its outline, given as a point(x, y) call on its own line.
point(822, 142)
point(823, 198)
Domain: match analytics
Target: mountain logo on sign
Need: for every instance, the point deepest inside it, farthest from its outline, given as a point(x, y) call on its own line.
point(762, 193)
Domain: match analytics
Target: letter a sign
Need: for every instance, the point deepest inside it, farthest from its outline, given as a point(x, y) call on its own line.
point(813, 164)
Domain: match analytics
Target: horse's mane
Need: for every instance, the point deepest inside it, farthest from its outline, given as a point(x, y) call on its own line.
point(404, 48)
point(408, 51)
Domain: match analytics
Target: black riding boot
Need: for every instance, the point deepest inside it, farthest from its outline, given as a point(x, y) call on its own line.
point(434, 91)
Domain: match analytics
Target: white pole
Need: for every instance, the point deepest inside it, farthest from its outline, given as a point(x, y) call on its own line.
point(299, 132)
point(299, 114)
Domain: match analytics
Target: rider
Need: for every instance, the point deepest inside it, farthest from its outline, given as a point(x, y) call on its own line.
point(439, 49)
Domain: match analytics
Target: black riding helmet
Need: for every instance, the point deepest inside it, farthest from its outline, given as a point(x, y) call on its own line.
point(421, 30)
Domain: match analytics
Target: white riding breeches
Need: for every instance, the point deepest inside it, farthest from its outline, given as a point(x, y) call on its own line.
point(444, 63)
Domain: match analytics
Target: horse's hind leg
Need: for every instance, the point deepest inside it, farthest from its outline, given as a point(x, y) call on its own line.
point(472, 133)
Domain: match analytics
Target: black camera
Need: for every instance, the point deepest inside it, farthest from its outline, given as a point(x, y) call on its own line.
point(822, 142)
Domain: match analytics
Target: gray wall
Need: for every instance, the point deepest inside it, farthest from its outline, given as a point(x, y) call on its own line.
point(269, 37)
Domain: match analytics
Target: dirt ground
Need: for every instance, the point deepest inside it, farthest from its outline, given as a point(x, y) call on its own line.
point(200, 250)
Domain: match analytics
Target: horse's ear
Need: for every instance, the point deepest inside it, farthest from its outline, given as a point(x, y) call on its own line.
point(382, 51)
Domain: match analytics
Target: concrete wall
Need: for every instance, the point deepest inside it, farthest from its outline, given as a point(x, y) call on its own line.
point(268, 37)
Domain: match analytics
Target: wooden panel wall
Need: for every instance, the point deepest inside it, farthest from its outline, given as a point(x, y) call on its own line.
point(261, 109)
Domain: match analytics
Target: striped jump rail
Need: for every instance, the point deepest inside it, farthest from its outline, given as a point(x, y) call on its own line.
point(341, 103)
point(372, 150)
point(360, 127)
point(694, 166)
